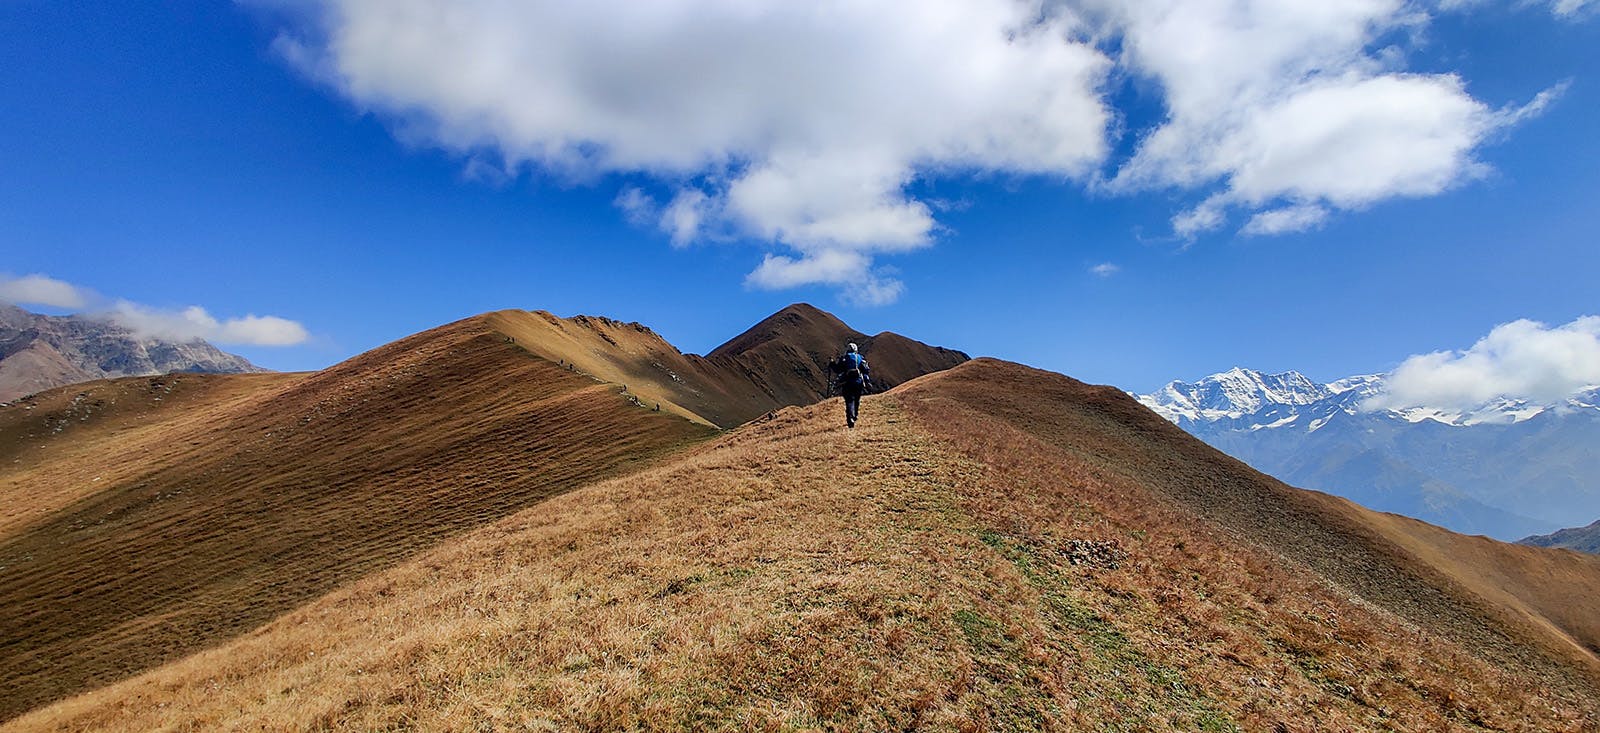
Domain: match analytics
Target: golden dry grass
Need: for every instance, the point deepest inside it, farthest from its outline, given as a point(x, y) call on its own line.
point(145, 519)
point(926, 571)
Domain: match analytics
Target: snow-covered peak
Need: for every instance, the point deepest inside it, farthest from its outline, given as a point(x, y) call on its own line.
point(1232, 394)
point(1260, 401)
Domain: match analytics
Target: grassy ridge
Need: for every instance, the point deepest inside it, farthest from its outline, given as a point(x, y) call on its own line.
point(150, 518)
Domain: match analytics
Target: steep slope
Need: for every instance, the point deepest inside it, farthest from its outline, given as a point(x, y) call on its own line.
point(147, 518)
point(38, 352)
point(994, 548)
point(1581, 539)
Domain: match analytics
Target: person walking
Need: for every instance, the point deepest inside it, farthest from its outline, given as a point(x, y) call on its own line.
point(854, 379)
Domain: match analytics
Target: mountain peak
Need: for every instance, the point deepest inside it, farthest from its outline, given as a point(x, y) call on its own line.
point(798, 322)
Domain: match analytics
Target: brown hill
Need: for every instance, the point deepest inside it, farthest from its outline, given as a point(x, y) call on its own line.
point(994, 548)
point(39, 352)
point(144, 519)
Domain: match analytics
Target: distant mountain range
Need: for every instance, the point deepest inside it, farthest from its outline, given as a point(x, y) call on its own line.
point(1506, 468)
point(1582, 539)
point(38, 352)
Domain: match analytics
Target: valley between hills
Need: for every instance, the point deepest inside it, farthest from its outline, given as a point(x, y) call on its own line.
point(521, 521)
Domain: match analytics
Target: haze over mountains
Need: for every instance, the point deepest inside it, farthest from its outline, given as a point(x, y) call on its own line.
point(491, 525)
point(1506, 468)
point(38, 352)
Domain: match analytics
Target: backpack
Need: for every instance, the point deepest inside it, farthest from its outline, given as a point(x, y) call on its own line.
point(850, 368)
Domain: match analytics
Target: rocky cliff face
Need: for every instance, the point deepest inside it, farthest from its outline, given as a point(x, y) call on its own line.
point(38, 352)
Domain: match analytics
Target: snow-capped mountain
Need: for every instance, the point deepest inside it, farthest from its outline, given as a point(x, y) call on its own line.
point(1293, 399)
point(1507, 468)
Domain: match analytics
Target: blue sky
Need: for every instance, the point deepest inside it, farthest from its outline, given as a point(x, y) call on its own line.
point(297, 162)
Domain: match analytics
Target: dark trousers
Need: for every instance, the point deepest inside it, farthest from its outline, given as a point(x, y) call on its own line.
point(852, 405)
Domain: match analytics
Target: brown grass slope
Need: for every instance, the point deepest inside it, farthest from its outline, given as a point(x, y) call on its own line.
point(144, 519)
point(778, 362)
point(994, 548)
point(1527, 608)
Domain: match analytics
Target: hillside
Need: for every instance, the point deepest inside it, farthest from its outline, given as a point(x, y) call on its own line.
point(994, 548)
point(1582, 539)
point(39, 352)
point(144, 519)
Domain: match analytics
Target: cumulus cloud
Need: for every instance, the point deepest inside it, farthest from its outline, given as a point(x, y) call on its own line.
point(1521, 360)
point(193, 323)
point(805, 126)
point(800, 124)
point(1105, 269)
point(1292, 109)
point(851, 271)
point(186, 324)
point(42, 290)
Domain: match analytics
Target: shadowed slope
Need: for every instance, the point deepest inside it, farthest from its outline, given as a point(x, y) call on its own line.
point(147, 518)
point(1527, 608)
point(953, 563)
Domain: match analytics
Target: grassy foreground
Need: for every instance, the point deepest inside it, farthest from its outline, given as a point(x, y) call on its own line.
point(939, 568)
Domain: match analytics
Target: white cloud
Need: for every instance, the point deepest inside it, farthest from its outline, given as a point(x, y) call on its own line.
point(849, 270)
point(1569, 8)
point(1522, 360)
point(1105, 269)
point(803, 123)
point(683, 217)
point(1292, 108)
point(194, 323)
point(39, 289)
point(182, 325)
point(1297, 218)
point(1565, 9)
point(636, 205)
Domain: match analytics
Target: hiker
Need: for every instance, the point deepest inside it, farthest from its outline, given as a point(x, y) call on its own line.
point(854, 379)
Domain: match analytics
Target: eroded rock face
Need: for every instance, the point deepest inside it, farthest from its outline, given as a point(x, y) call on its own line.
point(38, 352)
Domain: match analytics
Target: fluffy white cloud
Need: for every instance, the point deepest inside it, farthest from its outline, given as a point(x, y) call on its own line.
point(1521, 360)
point(850, 270)
point(798, 123)
point(38, 289)
point(194, 323)
point(187, 324)
point(804, 125)
point(1105, 269)
point(1292, 107)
